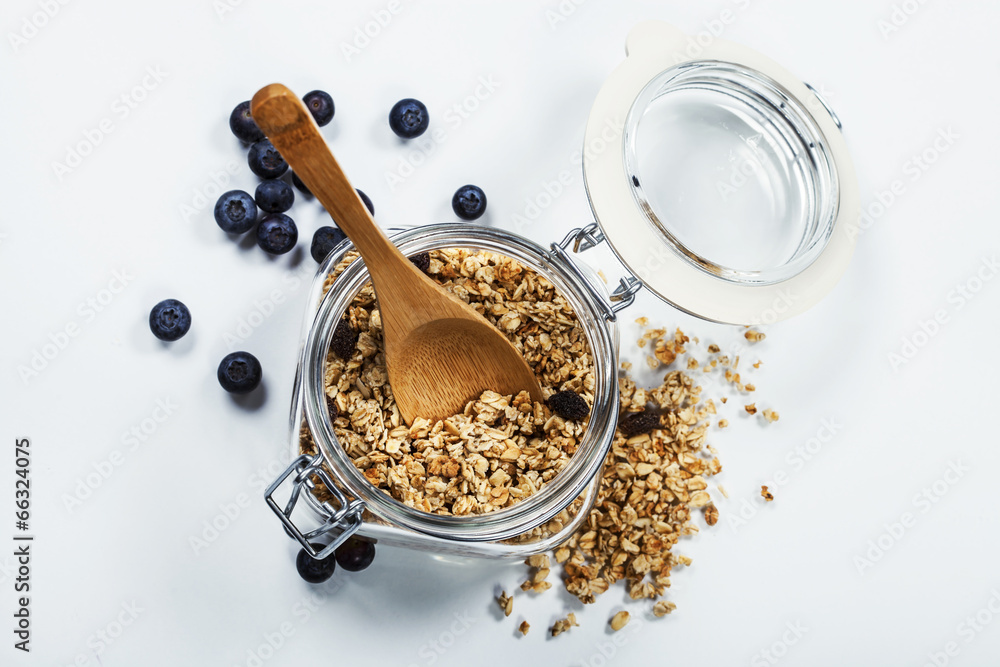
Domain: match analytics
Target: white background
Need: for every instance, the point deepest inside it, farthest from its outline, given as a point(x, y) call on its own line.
point(121, 209)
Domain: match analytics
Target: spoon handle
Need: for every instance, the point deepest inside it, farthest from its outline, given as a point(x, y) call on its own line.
point(288, 124)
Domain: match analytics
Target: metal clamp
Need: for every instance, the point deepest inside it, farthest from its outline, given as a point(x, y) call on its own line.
point(584, 239)
point(826, 105)
point(345, 518)
point(624, 294)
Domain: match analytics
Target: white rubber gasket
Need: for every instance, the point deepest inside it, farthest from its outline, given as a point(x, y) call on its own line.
point(651, 48)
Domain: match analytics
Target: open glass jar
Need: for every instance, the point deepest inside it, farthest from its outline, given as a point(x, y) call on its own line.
point(723, 185)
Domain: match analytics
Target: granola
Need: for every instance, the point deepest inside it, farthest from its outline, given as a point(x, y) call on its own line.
point(711, 514)
point(662, 608)
point(652, 480)
point(650, 484)
point(506, 603)
point(500, 449)
point(619, 620)
point(564, 624)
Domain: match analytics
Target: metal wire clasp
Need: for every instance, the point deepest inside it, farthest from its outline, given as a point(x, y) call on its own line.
point(826, 105)
point(586, 238)
point(341, 521)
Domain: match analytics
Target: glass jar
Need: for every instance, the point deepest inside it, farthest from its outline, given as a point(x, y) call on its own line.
point(721, 180)
point(668, 128)
point(534, 524)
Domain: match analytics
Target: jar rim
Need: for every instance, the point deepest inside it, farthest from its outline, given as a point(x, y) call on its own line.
point(786, 134)
point(655, 49)
point(557, 493)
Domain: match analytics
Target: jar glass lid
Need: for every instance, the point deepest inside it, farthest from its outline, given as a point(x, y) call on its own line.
point(720, 180)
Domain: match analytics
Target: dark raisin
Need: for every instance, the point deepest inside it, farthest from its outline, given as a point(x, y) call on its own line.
point(568, 405)
point(638, 422)
point(331, 406)
point(422, 261)
point(344, 339)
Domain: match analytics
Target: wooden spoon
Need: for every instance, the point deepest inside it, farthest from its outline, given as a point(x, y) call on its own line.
point(440, 353)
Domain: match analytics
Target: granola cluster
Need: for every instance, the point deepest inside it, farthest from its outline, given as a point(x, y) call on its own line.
point(500, 449)
point(653, 478)
point(650, 484)
point(564, 624)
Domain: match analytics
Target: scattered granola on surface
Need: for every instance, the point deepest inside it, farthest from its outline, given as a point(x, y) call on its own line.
point(506, 603)
point(539, 564)
point(662, 608)
point(711, 514)
point(619, 620)
point(523, 628)
point(500, 449)
point(564, 624)
point(754, 336)
point(653, 477)
point(651, 482)
point(766, 494)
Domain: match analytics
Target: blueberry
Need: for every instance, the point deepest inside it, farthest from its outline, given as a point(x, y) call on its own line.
point(239, 372)
point(169, 319)
point(469, 202)
point(300, 185)
point(324, 240)
point(235, 212)
point(312, 570)
point(320, 105)
point(276, 233)
point(265, 160)
point(242, 124)
point(274, 196)
point(409, 118)
point(368, 202)
point(355, 554)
